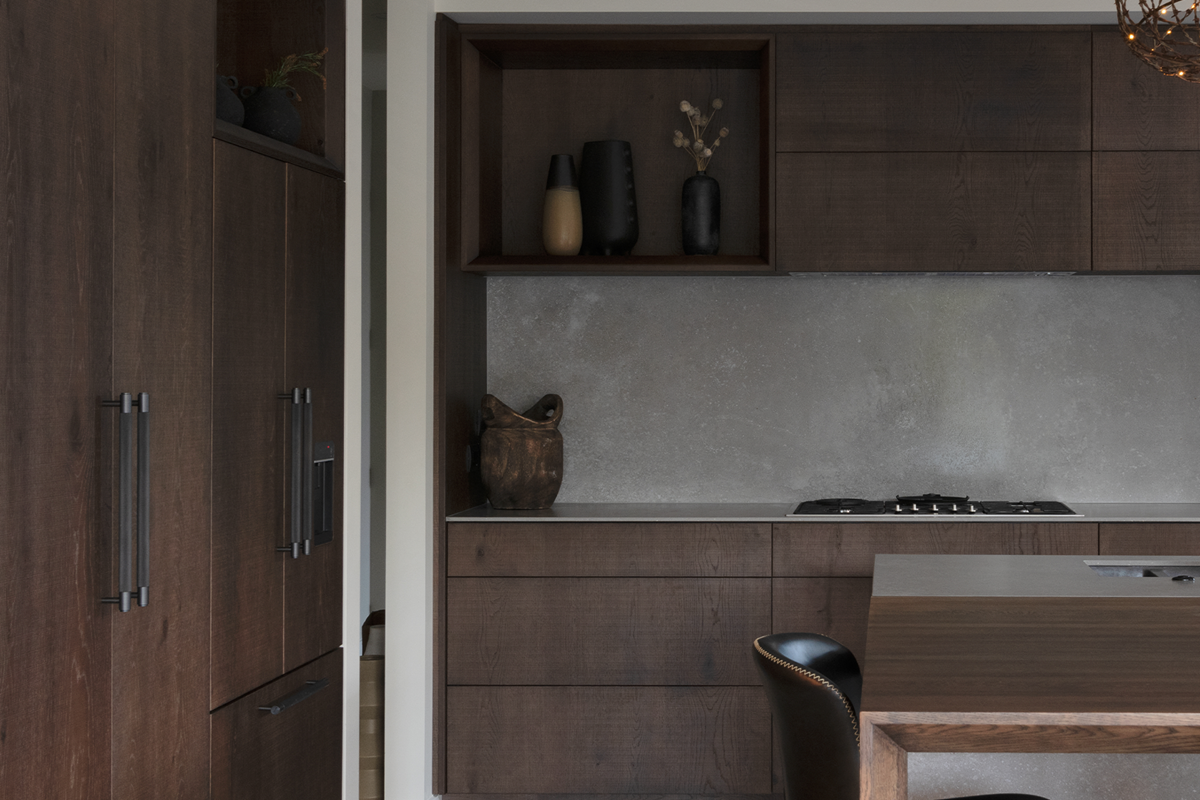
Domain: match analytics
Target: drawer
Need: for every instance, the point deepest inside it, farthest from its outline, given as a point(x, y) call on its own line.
point(295, 754)
point(840, 549)
point(609, 549)
point(631, 631)
point(1154, 539)
point(607, 740)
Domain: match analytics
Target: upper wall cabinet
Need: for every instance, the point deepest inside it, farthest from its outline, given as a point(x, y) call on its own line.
point(513, 98)
point(1146, 171)
point(934, 149)
point(902, 90)
point(253, 36)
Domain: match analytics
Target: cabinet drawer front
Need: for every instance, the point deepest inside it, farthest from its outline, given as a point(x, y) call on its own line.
point(966, 212)
point(595, 739)
point(297, 753)
point(610, 549)
point(1155, 539)
point(616, 631)
point(833, 607)
point(934, 90)
point(848, 549)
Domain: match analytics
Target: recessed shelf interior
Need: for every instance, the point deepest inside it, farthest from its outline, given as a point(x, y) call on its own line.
point(525, 99)
point(254, 35)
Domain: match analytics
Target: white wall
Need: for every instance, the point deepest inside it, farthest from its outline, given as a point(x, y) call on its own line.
point(410, 290)
point(409, 341)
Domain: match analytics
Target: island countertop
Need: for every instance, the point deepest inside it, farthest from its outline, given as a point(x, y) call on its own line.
point(1005, 576)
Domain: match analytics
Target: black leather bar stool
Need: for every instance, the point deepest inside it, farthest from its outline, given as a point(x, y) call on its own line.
point(814, 687)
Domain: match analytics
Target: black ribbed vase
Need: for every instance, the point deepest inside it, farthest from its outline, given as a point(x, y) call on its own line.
point(607, 199)
point(701, 215)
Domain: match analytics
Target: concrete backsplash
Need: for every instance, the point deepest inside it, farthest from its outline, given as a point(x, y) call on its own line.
point(1082, 388)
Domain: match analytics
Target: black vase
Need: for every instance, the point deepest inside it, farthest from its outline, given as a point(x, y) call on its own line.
point(229, 108)
point(701, 215)
point(606, 196)
point(269, 111)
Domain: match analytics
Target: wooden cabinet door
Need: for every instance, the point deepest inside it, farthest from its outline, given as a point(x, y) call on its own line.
point(295, 754)
point(250, 422)
point(315, 310)
point(57, 553)
point(162, 209)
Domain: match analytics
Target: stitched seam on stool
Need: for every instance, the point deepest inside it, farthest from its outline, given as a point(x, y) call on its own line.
point(819, 678)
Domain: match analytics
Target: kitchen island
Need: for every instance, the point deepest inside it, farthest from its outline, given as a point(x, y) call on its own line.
point(1028, 654)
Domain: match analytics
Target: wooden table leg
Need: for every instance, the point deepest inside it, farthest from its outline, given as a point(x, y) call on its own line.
point(883, 764)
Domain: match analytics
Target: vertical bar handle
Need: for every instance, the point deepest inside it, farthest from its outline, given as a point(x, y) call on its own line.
point(124, 505)
point(307, 468)
point(143, 501)
point(293, 545)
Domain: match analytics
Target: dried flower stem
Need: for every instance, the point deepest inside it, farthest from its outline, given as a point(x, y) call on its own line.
point(302, 62)
point(695, 147)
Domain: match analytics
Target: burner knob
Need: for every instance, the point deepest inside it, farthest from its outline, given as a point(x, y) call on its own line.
point(843, 511)
point(971, 508)
point(898, 508)
point(954, 508)
point(914, 508)
point(935, 510)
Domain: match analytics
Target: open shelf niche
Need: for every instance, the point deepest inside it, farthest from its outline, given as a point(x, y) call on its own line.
point(253, 36)
point(528, 95)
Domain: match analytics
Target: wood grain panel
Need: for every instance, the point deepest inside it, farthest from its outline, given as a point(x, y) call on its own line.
point(947, 212)
point(459, 355)
point(640, 106)
point(833, 607)
point(934, 90)
point(315, 346)
point(163, 210)
point(612, 631)
point(848, 549)
point(58, 548)
point(1143, 205)
point(626, 740)
point(1138, 108)
point(250, 464)
point(257, 755)
point(609, 549)
point(1033, 654)
point(1149, 539)
point(885, 765)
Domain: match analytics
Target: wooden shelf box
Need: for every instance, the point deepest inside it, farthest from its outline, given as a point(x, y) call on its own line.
point(526, 96)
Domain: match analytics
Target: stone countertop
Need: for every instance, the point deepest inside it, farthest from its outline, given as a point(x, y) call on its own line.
point(1026, 576)
point(777, 512)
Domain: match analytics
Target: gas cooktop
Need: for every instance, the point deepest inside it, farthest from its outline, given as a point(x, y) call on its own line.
point(929, 504)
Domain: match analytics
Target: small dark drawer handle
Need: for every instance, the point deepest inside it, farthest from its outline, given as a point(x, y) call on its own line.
point(299, 696)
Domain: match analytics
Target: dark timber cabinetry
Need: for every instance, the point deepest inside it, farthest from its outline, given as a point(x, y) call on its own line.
point(896, 148)
point(107, 268)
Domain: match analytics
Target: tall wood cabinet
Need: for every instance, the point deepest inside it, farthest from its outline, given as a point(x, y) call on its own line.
point(278, 315)
point(105, 259)
point(107, 269)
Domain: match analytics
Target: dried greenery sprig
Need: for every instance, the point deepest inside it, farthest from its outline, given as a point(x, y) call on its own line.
point(695, 147)
point(302, 62)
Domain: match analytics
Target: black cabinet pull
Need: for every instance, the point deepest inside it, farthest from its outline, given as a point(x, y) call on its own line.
point(143, 514)
point(307, 469)
point(125, 571)
point(299, 696)
point(293, 545)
